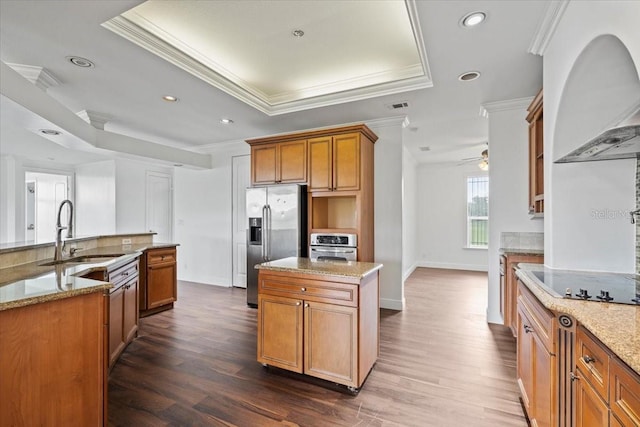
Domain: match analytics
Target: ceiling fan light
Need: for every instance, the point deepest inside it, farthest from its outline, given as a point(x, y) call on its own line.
point(484, 165)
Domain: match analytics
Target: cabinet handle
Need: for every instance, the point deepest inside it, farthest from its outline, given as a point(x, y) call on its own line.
point(573, 376)
point(303, 289)
point(298, 303)
point(306, 305)
point(588, 359)
point(528, 329)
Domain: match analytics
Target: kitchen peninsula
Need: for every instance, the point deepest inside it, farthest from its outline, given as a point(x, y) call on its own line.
point(577, 356)
point(319, 318)
point(64, 323)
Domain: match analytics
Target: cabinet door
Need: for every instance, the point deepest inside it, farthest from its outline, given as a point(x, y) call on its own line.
point(504, 297)
point(525, 367)
point(591, 411)
point(280, 331)
point(320, 170)
point(292, 162)
point(116, 318)
point(330, 345)
point(130, 313)
point(544, 370)
point(346, 162)
point(624, 387)
point(264, 164)
point(161, 284)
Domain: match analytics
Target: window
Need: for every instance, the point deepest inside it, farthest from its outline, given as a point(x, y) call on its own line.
point(478, 211)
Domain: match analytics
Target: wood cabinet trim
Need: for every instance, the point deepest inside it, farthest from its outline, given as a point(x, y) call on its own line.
point(362, 128)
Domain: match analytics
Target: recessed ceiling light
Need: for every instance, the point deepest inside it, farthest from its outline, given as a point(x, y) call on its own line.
point(50, 132)
point(226, 121)
point(170, 98)
point(469, 76)
point(472, 19)
point(80, 62)
point(178, 165)
point(297, 33)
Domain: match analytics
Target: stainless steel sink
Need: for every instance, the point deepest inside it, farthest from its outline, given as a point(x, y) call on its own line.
point(83, 259)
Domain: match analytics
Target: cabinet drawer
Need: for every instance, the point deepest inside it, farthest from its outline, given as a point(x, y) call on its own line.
point(310, 290)
point(159, 256)
point(625, 393)
point(593, 360)
point(122, 274)
point(543, 321)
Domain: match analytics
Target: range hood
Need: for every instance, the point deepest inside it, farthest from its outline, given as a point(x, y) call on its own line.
point(621, 140)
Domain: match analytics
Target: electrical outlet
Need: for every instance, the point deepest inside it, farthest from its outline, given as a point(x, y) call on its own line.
point(126, 241)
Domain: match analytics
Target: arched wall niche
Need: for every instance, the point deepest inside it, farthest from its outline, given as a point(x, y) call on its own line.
point(603, 84)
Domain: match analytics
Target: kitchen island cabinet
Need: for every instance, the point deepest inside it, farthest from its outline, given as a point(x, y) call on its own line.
point(52, 354)
point(509, 283)
point(318, 318)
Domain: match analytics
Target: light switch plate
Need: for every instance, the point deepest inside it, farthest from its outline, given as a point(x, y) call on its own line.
point(126, 241)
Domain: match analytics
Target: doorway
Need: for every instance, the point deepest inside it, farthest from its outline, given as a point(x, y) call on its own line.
point(159, 206)
point(44, 191)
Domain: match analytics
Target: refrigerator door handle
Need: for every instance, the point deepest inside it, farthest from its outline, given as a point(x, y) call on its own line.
point(268, 250)
point(265, 233)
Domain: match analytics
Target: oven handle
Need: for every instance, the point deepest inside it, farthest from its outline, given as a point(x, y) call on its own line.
point(334, 251)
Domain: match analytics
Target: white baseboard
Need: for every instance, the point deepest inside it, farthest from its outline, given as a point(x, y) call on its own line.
point(409, 272)
point(392, 304)
point(214, 281)
point(453, 266)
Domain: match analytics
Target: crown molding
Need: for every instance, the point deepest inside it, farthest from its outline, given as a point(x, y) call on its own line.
point(510, 104)
point(41, 77)
point(97, 120)
point(547, 27)
point(167, 47)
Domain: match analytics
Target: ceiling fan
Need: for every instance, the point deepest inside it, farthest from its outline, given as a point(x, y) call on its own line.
point(483, 160)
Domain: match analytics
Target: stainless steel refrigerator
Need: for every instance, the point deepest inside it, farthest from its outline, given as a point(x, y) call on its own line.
point(276, 228)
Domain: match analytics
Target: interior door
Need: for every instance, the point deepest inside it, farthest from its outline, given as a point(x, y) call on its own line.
point(240, 181)
point(159, 206)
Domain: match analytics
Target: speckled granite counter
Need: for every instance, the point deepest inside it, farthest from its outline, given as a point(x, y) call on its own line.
point(33, 283)
point(616, 325)
point(305, 265)
point(521, 251)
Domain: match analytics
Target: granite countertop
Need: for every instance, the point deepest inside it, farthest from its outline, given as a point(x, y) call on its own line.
point(34, 283)
point(328, 268)
point(522, 251)
point(30, 244)
point(616, 325)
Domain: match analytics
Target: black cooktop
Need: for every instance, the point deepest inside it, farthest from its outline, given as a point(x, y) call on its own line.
point(591, 286)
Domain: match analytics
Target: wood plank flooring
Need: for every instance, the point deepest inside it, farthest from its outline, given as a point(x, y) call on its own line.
point(440, 365)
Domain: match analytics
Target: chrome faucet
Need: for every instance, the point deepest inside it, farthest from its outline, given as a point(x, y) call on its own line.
point(58, 253)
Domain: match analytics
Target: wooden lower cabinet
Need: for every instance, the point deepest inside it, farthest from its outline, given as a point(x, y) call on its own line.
point(536, 359)
point(323, 326)
point(509, 286)
point(52, 363)
point(591, 410)
point(159, 281)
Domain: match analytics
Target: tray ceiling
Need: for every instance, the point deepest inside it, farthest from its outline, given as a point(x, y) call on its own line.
point(247, 48)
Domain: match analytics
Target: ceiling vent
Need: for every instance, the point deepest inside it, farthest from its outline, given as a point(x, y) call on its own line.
point(425, 148)
point(398, 105)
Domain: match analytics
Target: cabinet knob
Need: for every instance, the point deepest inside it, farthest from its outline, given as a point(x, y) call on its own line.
point(306, 305)
point(298, 303)
point(528, 329)
point(588, 359)
point(303, 289)
point(573, 376)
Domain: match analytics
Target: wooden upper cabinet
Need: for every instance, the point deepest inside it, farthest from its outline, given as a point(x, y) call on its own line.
point(536, 156)
point(283, 162)
point(334, 163)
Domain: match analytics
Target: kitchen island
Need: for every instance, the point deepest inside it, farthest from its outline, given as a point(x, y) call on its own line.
point(319, 318)
point(63, 324)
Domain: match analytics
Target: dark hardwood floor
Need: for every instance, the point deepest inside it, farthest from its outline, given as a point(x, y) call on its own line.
point(440, 364)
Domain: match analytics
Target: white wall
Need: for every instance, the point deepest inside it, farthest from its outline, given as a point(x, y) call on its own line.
point(409, 214)
point(574, 237)
point(442, 217)
point(508, 186)
point(9, 182)
point(131, 190)
point(388, 210)
point(203, 219)
point(95, 204)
